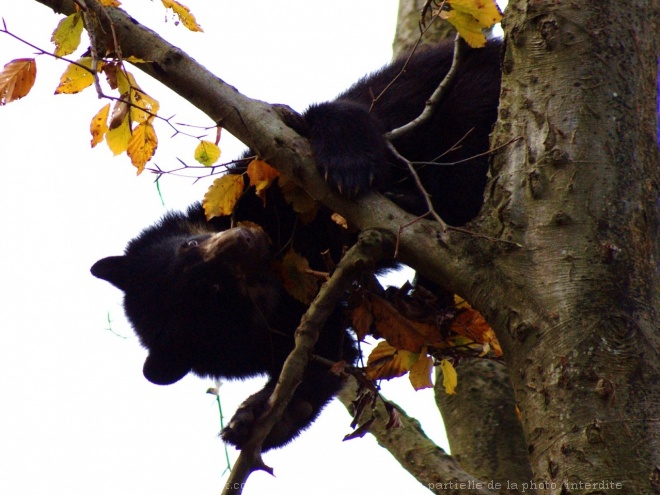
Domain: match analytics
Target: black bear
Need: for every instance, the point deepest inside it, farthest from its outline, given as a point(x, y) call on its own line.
point(207, 298)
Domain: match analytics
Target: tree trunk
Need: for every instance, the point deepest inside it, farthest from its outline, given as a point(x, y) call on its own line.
point(483, 429)
point(484, 405)
point(408, 28)
point(579, 192)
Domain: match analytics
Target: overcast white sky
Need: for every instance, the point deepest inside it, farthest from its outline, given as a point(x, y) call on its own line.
point(77, 416)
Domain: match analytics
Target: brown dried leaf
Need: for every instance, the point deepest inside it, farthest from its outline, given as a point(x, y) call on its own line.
point(17, 79)
point(301, 202)
point(297, 280)
point(420, 372)
point(386, 361)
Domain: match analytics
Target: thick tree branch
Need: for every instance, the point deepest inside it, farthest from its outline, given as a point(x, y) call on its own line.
point(476, 418)
point(461, 263)
point(259, 126)
point(417, 453)
point(371, 247)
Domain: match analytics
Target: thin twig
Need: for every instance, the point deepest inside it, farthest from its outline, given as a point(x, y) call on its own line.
point(423, 30)
point(420, 187)
point(436, 97)
point(94, 73)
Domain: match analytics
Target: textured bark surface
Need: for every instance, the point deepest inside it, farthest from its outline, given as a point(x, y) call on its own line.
point(408, 28)
point(579, 191)
point(483, 429)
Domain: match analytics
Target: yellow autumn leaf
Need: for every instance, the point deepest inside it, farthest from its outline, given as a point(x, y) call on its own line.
point(67, 34)
point(420, 372)
point(467, 26)
point(76, 77)
point(135, 60)
point(494, 344)
point(118, 137)
point(222, 195)
point(110, 3)
point(460, 341)
point(99, 125)
point(143, 107)
point(142, 145)
point(183, 12)
point(485, 12)
point(17, 79)
point(469, 17)
point(124, 80)
point(449, 377)
point(461, 303)
point(207, 153)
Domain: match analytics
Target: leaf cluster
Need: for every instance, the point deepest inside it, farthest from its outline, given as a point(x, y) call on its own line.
point(418, 329)
point(128, 128)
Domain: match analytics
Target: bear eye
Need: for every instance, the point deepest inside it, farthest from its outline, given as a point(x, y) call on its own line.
point(191, 243)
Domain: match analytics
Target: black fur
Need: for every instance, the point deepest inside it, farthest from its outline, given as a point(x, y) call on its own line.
point(348, 152)
point(208, 299)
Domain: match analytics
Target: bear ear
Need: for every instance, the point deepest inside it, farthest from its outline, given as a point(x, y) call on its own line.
point(162, 369)
point(114, 269)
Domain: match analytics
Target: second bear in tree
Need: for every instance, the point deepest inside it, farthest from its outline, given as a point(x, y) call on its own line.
point(449, 149)
point(209, 299)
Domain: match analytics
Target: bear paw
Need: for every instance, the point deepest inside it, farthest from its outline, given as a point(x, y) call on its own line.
point(242, 425)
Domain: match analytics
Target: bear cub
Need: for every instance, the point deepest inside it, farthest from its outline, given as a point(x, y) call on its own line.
point(208, 298)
